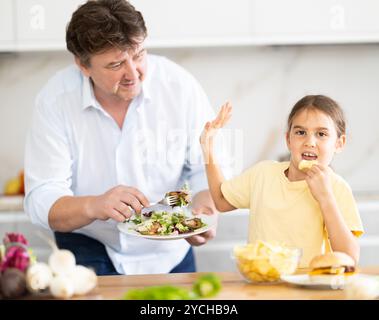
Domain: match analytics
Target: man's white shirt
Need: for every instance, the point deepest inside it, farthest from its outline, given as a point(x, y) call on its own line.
point(75, 148)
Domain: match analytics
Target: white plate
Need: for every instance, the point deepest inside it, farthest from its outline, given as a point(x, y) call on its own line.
point(128, 228)
point(316, 282)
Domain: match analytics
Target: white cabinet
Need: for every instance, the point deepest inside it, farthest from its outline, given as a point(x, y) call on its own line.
point(7, 37)
point(196, 22)
point(315, 21)
point(256, 22)
point(41, 24)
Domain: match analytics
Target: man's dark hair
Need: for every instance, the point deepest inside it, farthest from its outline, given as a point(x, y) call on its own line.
point(99, 25)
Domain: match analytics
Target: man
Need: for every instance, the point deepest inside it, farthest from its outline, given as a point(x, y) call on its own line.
point(111, 134)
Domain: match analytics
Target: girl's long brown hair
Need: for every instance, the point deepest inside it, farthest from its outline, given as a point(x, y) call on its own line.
point(325, 105)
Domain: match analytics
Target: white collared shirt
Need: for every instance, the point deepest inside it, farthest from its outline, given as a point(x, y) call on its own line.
point(75, 148)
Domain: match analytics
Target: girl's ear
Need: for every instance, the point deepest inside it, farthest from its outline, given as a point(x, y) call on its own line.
point(288, 139)
point(340, 143)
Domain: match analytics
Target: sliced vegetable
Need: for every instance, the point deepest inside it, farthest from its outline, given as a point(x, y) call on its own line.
point(137, 220)
point(194, 223)
point(157, 293)
point(205, 286)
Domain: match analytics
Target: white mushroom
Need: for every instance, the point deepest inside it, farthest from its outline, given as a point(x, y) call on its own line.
point(62, 262)
point(62, 287)
point(84, 280)
point(362, 288)
point(68, 278)
point(38, 277)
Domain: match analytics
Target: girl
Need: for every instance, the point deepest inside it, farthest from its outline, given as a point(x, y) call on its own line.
point(311, 208)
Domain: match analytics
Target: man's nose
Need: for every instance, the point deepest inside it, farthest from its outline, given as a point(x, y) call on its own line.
point(130, 70)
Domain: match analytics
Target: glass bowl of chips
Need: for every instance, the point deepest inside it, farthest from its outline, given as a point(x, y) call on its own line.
point(266, 262)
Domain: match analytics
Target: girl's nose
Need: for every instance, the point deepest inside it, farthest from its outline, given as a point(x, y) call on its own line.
point(310, 141)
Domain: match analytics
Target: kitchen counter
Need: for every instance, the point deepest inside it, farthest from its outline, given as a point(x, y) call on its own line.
point(233, 287)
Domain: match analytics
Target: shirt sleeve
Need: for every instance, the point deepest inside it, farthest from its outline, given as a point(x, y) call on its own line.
point(237, 191)
point(47, 162)
point(349, 208)
point(199, 111)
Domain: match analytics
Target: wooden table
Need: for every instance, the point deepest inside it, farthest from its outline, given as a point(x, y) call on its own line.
point(233, 287)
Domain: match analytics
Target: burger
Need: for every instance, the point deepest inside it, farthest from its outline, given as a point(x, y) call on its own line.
point(333, 263)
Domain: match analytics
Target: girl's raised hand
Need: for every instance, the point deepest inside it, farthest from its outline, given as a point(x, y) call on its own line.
point(211, 127)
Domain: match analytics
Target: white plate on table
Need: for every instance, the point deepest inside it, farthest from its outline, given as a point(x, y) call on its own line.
point(316, 282)
point(129, 229)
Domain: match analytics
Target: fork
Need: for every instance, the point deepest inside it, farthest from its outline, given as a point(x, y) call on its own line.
point(167, 201)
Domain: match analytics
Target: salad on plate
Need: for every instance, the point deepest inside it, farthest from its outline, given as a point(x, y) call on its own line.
point(166, 223)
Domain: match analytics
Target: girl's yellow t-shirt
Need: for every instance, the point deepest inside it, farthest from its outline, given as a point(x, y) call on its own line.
point(285, 211)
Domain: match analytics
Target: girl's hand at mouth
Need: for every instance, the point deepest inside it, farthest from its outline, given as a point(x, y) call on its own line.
point(319, 182)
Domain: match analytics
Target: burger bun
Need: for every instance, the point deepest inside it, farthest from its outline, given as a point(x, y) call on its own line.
point(332, 259)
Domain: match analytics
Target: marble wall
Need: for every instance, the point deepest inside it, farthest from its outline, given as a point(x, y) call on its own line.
point(263, 83)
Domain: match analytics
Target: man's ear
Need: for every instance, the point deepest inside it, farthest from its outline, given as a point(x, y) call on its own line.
point(82, 67)
point(340, 143)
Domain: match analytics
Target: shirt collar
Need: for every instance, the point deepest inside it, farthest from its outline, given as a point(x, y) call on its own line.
point(146, 87)
point(89, 99)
